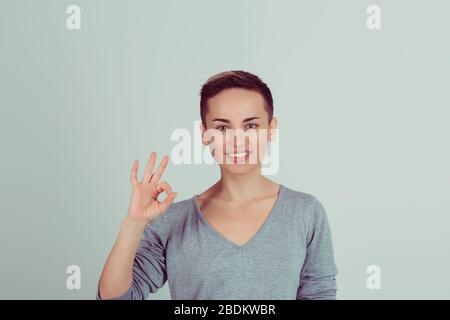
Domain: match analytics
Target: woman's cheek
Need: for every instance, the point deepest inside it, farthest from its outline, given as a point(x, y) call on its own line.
point(217, 148)
point(262, 146)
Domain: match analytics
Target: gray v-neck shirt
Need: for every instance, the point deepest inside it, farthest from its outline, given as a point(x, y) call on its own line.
point(289, 257)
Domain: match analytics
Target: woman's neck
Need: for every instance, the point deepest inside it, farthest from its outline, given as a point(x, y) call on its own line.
point(242, 188)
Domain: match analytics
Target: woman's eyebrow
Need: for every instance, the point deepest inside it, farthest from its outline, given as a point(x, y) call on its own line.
point(250, 119)
point(228, 121)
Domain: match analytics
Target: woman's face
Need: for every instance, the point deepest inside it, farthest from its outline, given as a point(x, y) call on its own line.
point(238, 129)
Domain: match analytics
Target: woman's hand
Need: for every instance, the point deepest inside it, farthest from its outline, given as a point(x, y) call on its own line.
point(144, 205)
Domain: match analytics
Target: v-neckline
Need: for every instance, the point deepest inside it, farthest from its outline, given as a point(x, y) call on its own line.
point(264, 225)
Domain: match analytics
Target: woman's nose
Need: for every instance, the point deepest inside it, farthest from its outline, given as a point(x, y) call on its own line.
point(237, 141)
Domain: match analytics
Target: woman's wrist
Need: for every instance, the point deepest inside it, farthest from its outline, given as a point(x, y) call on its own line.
point(135, 225)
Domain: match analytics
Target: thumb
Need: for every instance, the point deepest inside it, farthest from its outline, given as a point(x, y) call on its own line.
point(168, 201)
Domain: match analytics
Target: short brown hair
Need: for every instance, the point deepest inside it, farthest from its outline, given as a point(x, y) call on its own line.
point(234, 79)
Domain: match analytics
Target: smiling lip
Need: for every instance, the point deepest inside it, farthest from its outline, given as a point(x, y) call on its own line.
point(238, 156)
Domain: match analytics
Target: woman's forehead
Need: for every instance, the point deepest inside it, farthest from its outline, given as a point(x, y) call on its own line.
point(236, 105)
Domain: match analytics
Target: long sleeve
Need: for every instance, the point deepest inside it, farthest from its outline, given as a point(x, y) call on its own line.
point(149, 267)
point(318, 275)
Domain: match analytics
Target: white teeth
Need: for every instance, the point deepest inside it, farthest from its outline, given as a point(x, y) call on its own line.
point(238, 155)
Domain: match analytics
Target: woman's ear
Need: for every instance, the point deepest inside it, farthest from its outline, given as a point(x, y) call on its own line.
point(273, 126)
point(202, 130)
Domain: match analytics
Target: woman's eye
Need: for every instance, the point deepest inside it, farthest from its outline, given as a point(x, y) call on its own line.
point(249, 126)
point(221, 128)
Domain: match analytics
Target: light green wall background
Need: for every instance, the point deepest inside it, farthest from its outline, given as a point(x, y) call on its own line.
point(363, 119)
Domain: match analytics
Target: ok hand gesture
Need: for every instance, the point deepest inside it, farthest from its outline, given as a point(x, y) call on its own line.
point(144, 205)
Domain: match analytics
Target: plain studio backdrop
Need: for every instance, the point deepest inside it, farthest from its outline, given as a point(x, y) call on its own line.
point(363, 117)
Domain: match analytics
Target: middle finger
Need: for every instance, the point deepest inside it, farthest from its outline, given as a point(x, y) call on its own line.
point(149, 169)
point(158, 173)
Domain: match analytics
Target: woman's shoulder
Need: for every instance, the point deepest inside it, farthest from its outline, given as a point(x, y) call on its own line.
point(302, 202)
point(173, 218)
point(298, 197)
point(177, 211)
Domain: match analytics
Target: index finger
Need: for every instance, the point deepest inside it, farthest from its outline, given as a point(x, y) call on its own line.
point(158, 173)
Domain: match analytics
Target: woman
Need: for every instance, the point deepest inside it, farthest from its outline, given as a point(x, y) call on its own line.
point(245, 237)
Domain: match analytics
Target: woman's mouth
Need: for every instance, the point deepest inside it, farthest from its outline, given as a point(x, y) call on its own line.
point(238, 157)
